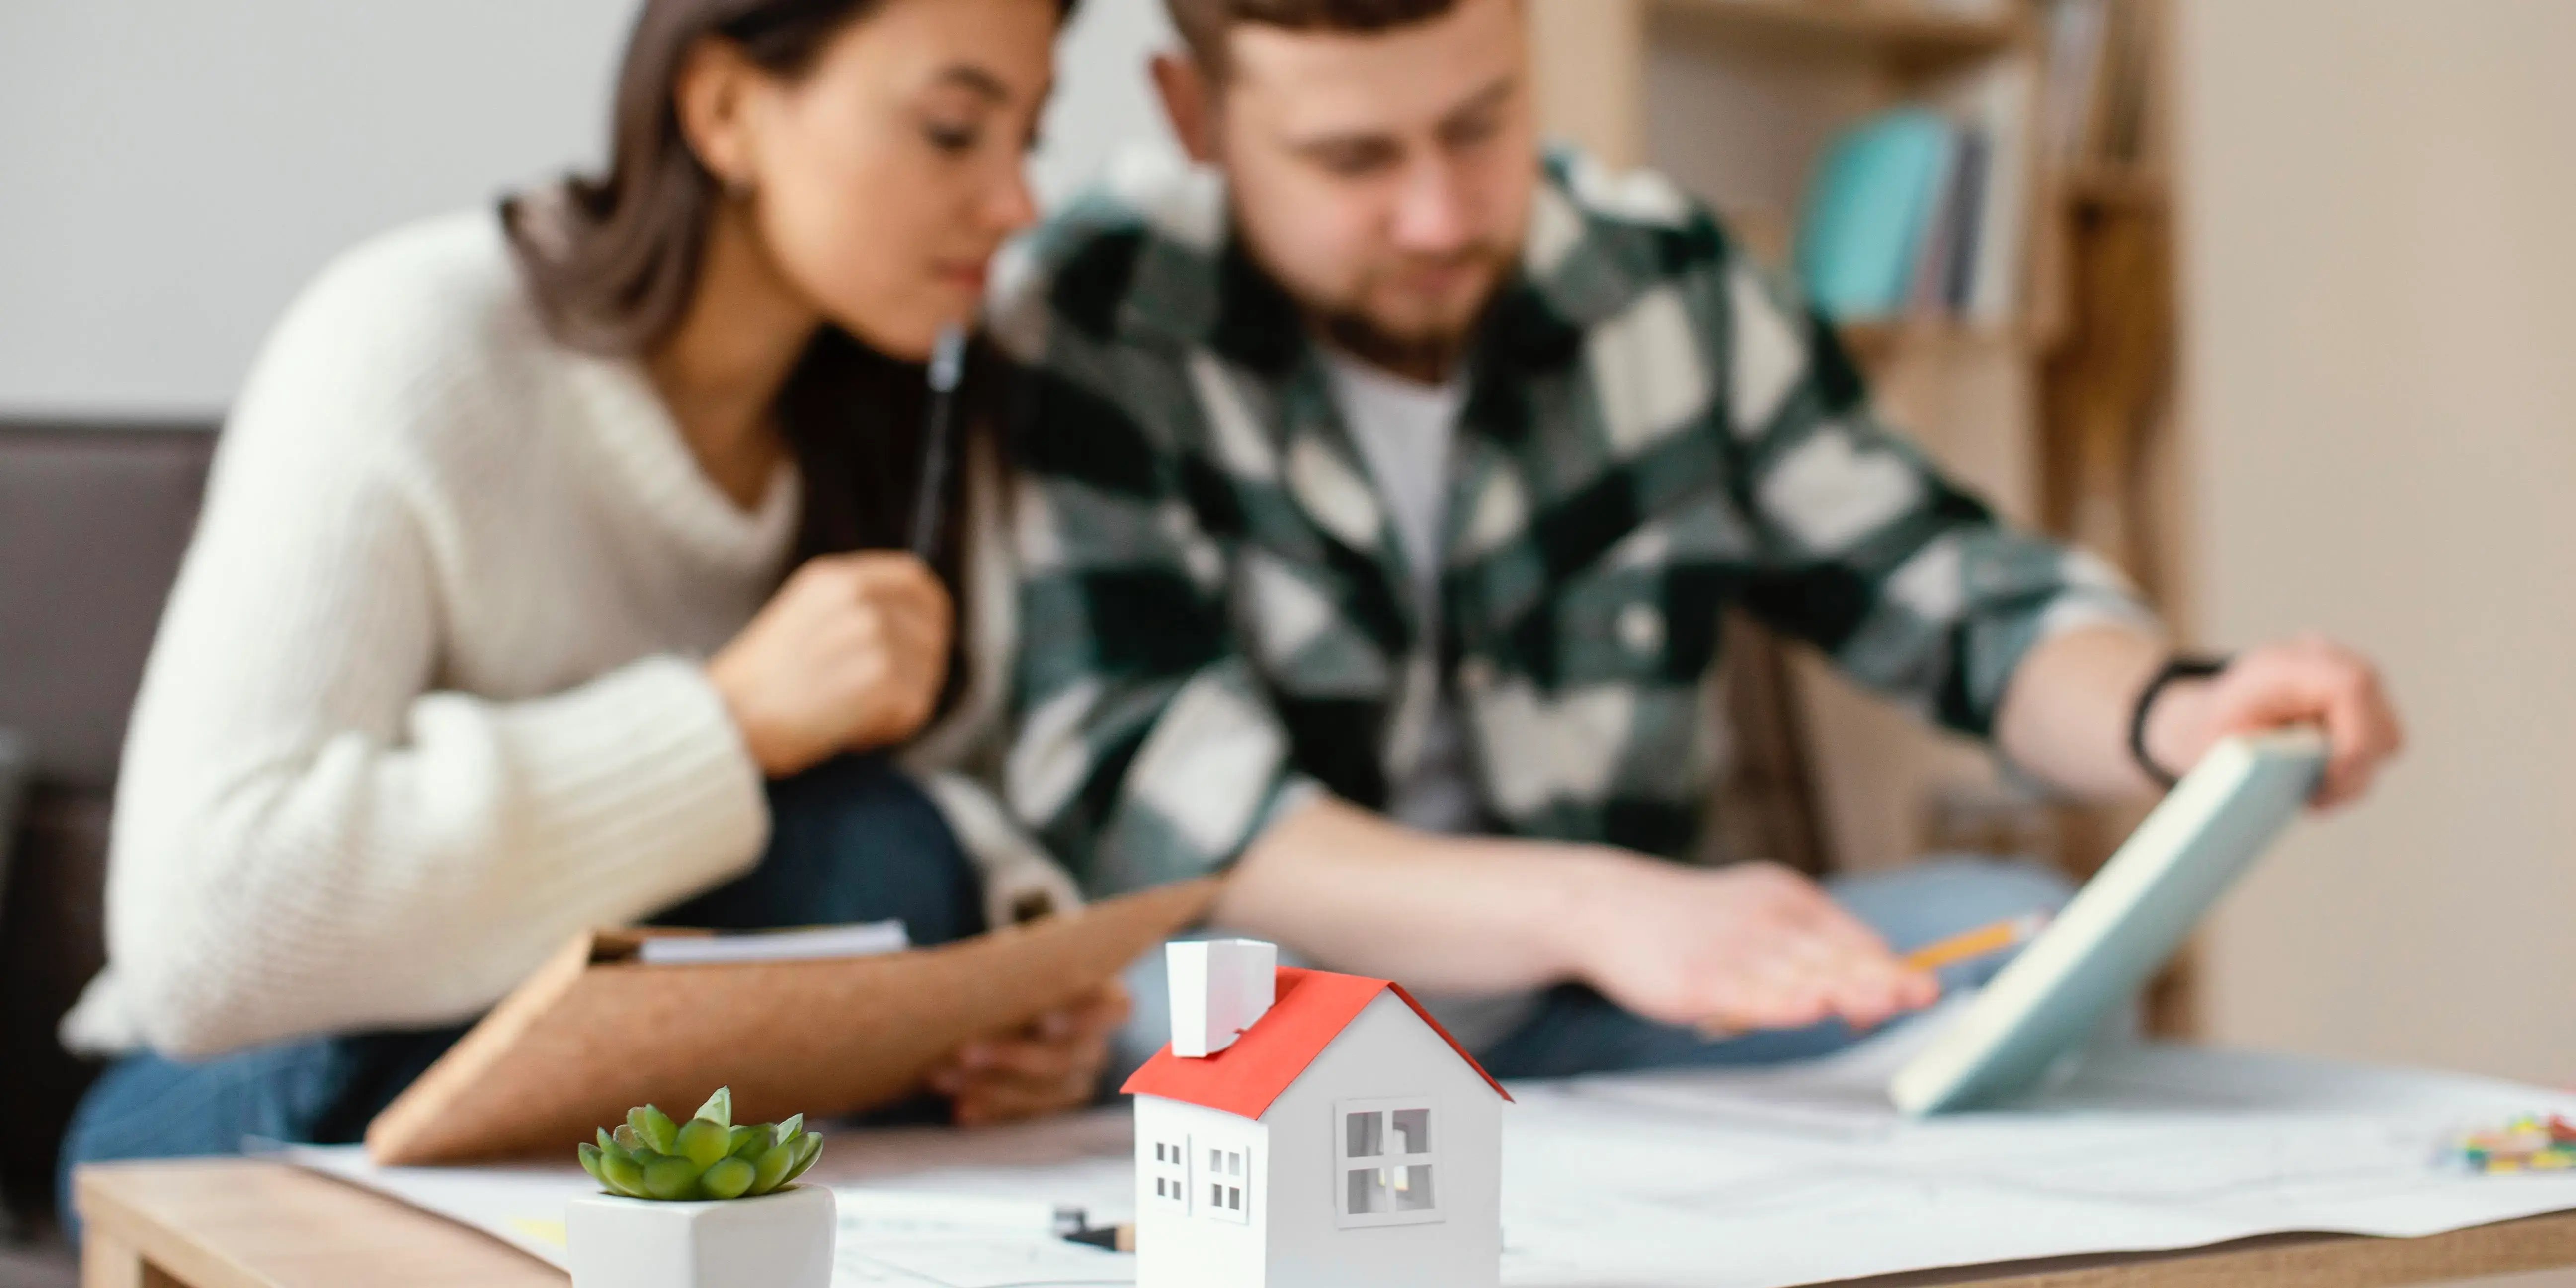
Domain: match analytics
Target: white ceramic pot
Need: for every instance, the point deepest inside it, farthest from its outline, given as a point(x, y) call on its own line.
point(781, 1240)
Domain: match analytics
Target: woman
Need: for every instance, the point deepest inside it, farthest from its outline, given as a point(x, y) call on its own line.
point(471, 652)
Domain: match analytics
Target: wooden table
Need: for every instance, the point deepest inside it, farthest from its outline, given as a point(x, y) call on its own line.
point(234, 1223)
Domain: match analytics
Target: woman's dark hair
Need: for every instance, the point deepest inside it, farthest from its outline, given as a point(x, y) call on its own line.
point(614, 261)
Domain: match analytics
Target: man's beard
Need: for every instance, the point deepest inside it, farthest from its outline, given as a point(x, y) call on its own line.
point(1429, 354)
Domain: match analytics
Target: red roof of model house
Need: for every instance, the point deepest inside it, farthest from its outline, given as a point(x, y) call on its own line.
point(1312, 1009)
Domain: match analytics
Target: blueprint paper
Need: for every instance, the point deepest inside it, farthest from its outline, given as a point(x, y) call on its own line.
point(1763, 1180)
point(1738, 1180)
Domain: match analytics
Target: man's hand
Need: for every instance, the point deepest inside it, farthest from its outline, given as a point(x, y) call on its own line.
point(1052, 1066)
point(1753, 946)
point(2309, 680)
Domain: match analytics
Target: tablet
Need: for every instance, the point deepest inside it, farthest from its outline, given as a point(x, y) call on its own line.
point(2120, 928)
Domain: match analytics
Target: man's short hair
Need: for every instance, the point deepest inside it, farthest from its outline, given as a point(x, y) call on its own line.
point(1203, 24)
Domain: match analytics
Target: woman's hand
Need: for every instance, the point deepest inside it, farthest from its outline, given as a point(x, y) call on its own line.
point(1051, 1066)
point(850, 654)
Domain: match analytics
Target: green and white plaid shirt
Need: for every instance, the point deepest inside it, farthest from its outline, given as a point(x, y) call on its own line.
point(1215, 619)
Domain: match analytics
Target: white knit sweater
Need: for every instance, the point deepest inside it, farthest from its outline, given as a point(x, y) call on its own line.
point(427, 699)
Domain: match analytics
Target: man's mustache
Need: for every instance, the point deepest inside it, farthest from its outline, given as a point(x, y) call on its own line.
point(1482, 256)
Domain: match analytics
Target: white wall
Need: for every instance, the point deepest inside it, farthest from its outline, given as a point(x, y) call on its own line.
point(2381, 315)
point(172, 170)
point(1103, 99)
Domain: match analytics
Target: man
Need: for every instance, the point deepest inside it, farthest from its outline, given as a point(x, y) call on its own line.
point(1384, 498)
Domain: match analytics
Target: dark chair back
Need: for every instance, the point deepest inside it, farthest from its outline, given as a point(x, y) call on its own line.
point(93, 520)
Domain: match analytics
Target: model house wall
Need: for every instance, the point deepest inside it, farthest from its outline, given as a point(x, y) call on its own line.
point(1208, 1247)
point(1387, 1054)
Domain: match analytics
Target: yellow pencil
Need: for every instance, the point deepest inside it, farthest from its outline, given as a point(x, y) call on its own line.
point(1976, 943)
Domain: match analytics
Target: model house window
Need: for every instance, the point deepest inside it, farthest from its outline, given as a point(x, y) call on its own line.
point(1388, 1173)
point(1227, 1184)
point(1170, 1173)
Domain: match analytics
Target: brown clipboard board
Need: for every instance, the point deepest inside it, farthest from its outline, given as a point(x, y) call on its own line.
point(595, 1031)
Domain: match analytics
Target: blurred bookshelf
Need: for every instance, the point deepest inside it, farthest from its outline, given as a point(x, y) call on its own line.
point(2045, 383)
point(2113, 186)
point(1928, 32)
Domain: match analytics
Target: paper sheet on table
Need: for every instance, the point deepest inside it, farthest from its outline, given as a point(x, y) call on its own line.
point(814, 943)
point(1754, 1180)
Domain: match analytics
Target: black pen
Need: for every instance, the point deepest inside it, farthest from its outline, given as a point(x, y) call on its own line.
point(947, 368)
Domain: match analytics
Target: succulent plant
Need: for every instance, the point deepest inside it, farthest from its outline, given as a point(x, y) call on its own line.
point(708, 1157)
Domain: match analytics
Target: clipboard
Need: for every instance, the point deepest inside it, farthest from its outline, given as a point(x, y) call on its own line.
point(2124, 924)
point(596, 1031)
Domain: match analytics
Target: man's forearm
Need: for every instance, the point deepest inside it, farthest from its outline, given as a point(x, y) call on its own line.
point(2065, 716)
point(1749, 946)
point(1444, 914)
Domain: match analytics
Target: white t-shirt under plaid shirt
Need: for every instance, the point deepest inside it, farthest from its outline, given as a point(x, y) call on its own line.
point(1405, 430)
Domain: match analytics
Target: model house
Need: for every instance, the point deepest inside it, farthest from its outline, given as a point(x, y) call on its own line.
point(1311, 1130)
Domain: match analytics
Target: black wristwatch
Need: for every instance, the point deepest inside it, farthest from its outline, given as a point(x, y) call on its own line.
point(2179, 668)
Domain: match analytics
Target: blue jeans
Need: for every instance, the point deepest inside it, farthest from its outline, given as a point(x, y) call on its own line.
point(1576, 1030)
point(851, 840)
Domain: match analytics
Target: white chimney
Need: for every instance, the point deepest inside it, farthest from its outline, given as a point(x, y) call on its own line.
point(1220, 987)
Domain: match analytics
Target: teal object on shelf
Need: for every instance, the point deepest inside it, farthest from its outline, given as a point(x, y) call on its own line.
point(1868, 210)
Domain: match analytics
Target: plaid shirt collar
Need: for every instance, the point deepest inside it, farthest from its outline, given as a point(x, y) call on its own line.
point(1571, 278)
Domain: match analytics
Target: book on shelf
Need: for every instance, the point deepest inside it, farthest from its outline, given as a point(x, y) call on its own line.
point(1996, 99)
point(1920, 211)
point(1864, 224)
point(1945, 268)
